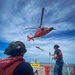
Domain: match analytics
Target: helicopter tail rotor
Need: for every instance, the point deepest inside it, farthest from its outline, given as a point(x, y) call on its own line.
point(29, 38)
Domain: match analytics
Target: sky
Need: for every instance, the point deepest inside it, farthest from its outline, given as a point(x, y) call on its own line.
point(16, 15)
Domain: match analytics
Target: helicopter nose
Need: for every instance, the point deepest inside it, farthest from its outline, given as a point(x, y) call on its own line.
point(52, 28)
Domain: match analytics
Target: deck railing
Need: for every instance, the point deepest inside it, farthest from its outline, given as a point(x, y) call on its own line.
point(67, 69)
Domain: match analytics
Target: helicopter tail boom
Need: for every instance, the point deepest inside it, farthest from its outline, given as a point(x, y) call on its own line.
point(29, 38)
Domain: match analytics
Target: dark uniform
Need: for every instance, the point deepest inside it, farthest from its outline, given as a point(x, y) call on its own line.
point(23, 69)
point(59, 62)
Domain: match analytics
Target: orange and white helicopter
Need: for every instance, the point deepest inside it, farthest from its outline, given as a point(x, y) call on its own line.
point(41, 31)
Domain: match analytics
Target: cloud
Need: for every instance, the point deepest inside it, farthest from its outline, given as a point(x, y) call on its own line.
point(17, 15)
point(1, 51)
point(66, 46)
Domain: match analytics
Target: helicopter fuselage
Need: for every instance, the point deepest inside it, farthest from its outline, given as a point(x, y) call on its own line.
point(42, 31)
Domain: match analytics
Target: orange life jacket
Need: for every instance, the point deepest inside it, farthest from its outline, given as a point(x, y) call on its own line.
point(7, 65)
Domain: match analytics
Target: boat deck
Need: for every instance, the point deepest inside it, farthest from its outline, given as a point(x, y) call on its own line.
point(67, 69)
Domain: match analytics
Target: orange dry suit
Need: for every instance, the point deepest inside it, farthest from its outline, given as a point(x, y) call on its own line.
point(7, 65)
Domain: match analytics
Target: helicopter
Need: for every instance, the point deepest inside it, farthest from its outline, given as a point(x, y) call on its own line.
point(41, 31)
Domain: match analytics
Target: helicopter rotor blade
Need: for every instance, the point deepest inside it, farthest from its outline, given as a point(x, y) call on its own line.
point(42, 17)
point(30, 28)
